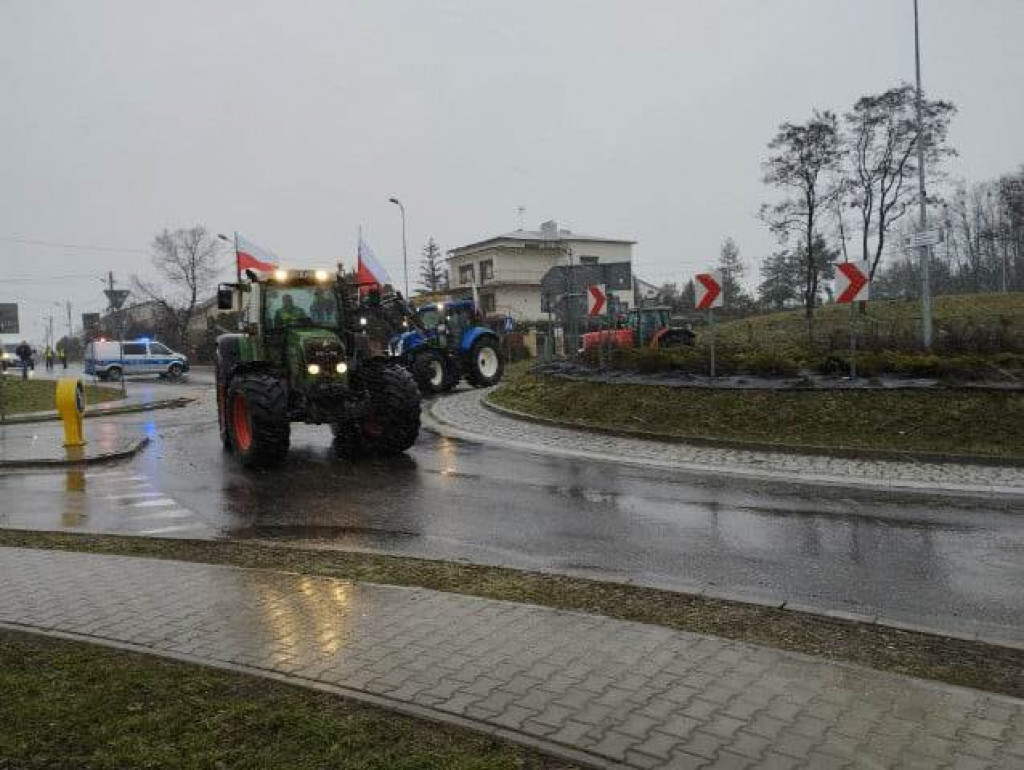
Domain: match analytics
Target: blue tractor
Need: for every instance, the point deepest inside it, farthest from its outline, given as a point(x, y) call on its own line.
point(446, 344)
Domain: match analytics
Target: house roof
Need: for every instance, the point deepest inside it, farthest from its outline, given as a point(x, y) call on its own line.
point(541, 236)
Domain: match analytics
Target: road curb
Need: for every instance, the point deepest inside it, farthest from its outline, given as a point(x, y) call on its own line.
point(849, 453)
point(121, 454)
point(555, 750)
point(980, 492)
point(149, 406)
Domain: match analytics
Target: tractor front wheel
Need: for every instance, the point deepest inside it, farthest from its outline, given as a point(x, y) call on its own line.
point(433, 372)
point(483, 363)
point(391, 424)
point(257, 419)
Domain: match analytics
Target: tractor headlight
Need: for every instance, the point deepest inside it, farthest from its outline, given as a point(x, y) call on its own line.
point(341, 368)
point(362, 321)
point(313, 368)
point(321, 275)
point(281, 275)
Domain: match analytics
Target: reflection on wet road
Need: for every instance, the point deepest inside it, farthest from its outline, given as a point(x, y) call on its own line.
point(918, 561)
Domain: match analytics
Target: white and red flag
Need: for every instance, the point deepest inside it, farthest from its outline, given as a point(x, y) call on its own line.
point(249, 256)
point(369, 272)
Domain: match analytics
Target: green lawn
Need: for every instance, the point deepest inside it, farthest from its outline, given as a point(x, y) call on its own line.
point(972, 422)
point(74, 705)
point(962, 323)
point(38, 395)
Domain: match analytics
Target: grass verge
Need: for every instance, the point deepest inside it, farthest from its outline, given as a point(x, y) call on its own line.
point(969, 422)
point(971, 664)
point(21, 396)
point(71, 704)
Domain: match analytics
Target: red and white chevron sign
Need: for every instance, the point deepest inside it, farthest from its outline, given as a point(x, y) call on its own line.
point(597, 299)
point(707, 290)
point(853, 281)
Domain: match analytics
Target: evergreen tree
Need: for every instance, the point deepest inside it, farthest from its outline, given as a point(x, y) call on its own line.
point(431, 269)
point(732, 269)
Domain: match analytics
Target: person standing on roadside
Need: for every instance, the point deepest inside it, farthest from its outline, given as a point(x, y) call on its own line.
point(24, 354)
point(62, 354)
point(48, 358)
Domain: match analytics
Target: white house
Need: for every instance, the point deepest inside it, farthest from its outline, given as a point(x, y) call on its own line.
point(508, 268)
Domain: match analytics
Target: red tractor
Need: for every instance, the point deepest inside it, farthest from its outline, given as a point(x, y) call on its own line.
point(653, 330)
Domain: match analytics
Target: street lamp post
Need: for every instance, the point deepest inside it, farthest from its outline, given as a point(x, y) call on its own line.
point(405, 249)
point(926, 288)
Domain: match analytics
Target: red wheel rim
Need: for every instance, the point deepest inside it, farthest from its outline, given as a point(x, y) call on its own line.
point(240, 423)
point(372, 428)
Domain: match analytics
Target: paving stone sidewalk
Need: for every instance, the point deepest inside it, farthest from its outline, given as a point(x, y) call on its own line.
point(622, 694)
point(463, 414)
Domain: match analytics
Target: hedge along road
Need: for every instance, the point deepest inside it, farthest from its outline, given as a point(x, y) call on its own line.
point(953, 564)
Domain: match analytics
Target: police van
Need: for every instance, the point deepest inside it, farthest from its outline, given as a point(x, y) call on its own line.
point(106, 360)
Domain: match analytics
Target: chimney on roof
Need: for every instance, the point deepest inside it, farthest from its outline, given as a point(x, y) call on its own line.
point(549, 229)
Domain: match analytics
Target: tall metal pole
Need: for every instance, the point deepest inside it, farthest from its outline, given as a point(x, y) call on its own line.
point(405, 248)
point(926, 288)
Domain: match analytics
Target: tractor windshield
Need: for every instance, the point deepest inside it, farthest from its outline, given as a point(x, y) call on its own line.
point(430, 318)
point(300, 306)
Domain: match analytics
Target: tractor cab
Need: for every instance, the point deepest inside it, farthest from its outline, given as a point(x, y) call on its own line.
point(653, 327)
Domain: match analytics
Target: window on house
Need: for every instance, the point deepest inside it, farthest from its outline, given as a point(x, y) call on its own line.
point(588, 260)
point(486, 270)
point(487, 303)
point(465, 274)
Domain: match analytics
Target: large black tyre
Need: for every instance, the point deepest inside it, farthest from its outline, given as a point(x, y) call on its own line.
point(432, 371)
point(228, 351)
point(391, 424)
point(257, 411)
point(483, 364)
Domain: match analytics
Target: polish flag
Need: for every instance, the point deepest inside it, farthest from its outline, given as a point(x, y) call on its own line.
point(370, 273)
point(249, 256)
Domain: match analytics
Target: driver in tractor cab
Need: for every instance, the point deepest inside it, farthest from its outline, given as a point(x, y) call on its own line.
point(289, 313)
point(322, 308)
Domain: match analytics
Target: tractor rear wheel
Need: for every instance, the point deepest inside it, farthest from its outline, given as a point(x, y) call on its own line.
point(257, 419)
point(483, 363)
point(432, 371)
point(391, 424)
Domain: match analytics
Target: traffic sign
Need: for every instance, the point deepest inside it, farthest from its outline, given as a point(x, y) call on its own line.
point(707, 290)
point(9, 318)
point(923, 238)
point(853, 280)
point(116, 297)
point(91, 324)
point(597, 299)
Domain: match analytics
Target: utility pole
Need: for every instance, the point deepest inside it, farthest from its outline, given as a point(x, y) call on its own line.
point(926, 287)
point(120, 330)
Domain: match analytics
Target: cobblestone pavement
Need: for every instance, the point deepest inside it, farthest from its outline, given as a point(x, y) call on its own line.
point(463, 414)
point(624, 693)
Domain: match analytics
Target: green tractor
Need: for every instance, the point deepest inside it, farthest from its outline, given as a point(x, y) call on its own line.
point(308, 354)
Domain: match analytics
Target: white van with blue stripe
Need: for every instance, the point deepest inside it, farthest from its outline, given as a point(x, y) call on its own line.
point(106, 360)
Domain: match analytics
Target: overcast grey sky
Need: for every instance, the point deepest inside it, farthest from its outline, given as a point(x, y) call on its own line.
point(293, 122)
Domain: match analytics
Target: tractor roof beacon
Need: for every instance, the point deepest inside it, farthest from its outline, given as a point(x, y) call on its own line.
point(307, 354)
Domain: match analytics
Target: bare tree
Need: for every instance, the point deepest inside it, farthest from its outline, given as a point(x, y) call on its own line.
point(187, 260)
point(881, 162)
point(804, 163)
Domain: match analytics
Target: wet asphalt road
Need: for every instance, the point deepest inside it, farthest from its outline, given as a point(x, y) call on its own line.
point(956, 566)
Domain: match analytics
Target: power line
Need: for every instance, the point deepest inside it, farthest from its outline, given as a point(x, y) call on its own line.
point(79, 246)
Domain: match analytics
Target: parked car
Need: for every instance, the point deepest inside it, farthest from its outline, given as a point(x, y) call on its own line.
point(106, 360)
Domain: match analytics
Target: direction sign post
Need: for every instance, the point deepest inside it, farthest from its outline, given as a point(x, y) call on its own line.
point(853, 284)
point(597, 299)
point(707, 295)
point(8, 318)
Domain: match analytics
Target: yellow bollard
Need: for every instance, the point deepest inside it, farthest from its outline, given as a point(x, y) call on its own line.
point(71, 405)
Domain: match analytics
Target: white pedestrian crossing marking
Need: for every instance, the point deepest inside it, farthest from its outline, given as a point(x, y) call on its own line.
point(163, 501)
